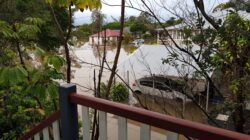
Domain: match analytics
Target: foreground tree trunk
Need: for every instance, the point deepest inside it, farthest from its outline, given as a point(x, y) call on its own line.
point(113, 71)
point(64, 38)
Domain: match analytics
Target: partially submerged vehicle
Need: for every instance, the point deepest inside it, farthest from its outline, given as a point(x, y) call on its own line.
point(163, 87)
point(138, 42)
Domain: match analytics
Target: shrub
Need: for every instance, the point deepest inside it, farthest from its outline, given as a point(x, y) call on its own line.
point(119, 92)
point(103, 89)
point(148, 36)
point(127, 38)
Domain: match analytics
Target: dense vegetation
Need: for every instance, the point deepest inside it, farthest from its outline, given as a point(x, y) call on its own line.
point(29, 63)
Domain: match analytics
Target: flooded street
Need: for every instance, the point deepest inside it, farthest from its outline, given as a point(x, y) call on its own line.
point(133, 63)
point(84, 74)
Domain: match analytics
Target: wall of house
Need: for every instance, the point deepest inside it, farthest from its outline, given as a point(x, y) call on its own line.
point(175, 34)
point(94, 40)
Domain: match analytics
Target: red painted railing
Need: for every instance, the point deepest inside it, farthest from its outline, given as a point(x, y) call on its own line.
point(185, 127)
point(45, 123)
point(68, 105)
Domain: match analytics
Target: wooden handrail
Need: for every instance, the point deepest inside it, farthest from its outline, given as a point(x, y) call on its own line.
point(185, 127)
point(45, 123)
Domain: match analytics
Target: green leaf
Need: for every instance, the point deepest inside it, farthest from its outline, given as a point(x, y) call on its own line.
point(22, 70)
point(34, 21)
point(4, 79)
point(13, 75)
point(88, 4)
point(40, 91)
point(6, 30)
point(48, 1)
point(27, 31)
point(57, 62)
point(40, 52)
point(53, 90)
point(36, 76)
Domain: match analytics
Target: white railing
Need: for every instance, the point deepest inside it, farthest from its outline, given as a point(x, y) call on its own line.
point(121, 125)
point(46, 130)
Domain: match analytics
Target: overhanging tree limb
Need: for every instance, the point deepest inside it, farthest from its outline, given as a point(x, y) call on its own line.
point(200, 5)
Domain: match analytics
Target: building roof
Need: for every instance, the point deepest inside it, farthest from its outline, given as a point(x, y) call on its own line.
point(109, 33)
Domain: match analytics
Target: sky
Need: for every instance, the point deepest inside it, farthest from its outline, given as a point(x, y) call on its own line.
point(114, 11)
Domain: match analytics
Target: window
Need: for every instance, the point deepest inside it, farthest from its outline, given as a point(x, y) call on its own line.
point(160, 86)
point(146, 83)
point(176, 85)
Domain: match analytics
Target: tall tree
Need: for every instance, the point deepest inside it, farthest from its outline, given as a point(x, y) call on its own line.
point(65, 36)
point(113, 70)
point(15, 11)
point(220, 44)
point(97, 19)
point(233, 61)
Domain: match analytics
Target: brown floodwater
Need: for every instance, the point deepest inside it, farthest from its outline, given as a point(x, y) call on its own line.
point(84, 75)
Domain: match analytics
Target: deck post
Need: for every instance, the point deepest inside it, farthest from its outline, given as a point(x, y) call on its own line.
point(69, 119)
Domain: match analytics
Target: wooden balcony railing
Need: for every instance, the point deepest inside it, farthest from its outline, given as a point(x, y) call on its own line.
point(52, 122)
point(69, 120)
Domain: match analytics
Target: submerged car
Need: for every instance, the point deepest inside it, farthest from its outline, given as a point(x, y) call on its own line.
point(138, 42)
point(160, 88)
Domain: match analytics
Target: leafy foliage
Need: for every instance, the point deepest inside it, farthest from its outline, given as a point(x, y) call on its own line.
point(223, 51)
point(112, 25)
point(21, 11)
point(83, 32)
point(172, 21)
point(28, 91)
point(119, 92)
point(80, 4)
point(138, 27)
point(127, 38)
point(97, 18)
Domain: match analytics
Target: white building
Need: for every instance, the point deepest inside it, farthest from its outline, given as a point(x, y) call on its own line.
point(176, 32)
point(98, 38)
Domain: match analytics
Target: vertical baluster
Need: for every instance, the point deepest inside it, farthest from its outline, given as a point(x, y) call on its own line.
point(103, 125)
point(37, 136)
point(172, 136)
point(56, 132)
point(85, 122)
point(145, 132)
point(122, 128)
point(45, 134)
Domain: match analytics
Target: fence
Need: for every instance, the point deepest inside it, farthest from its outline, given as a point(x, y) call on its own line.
point(69, 120)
